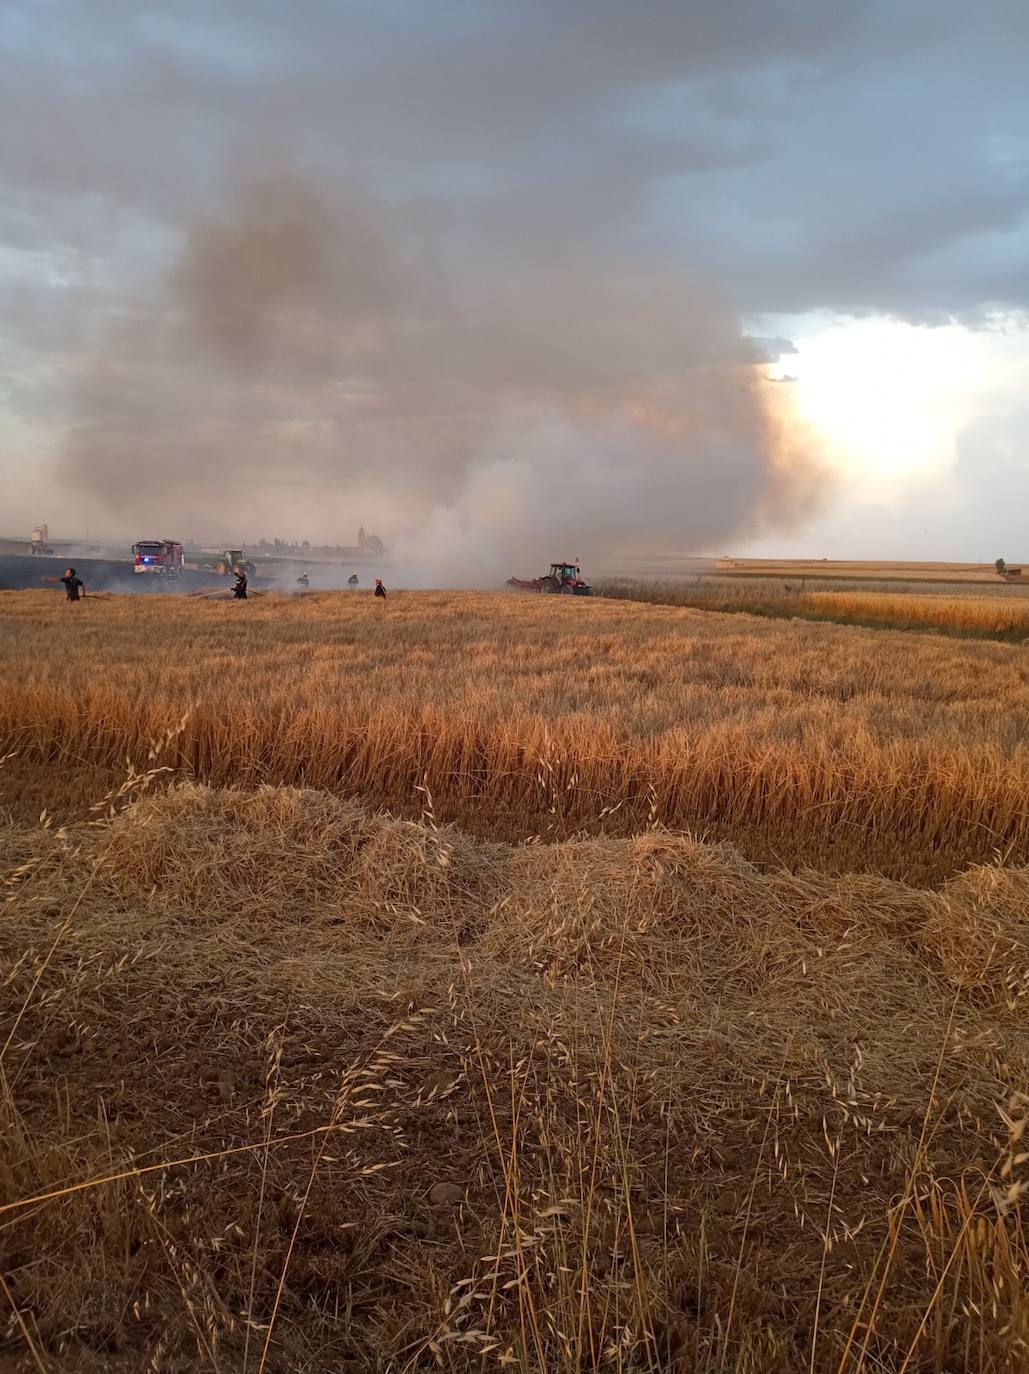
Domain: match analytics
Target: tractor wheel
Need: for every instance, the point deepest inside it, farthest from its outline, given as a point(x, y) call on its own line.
point(549, 584)
point(566, 589)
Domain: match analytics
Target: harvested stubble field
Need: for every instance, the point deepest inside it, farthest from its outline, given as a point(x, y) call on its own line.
point(291, 1083)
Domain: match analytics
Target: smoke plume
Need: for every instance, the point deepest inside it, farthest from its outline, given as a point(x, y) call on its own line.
point(316, 357)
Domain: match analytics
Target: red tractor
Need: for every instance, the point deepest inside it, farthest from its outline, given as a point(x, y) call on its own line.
point(563, 577)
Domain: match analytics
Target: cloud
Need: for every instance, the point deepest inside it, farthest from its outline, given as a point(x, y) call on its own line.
point(771, 350)
point(815, 158)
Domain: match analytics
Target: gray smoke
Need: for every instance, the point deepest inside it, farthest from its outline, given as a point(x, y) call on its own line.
point(317, 357)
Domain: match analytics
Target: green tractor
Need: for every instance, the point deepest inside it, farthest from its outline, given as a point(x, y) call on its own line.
point(233, 562)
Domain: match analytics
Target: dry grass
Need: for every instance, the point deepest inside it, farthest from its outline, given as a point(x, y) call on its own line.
point(622, 1104)
point(800, 744)
point(999, 615)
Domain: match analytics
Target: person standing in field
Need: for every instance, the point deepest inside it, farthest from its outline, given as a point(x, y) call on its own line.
point(73, 584)
point(352, 580)
point(380, 590)
point(239, 591)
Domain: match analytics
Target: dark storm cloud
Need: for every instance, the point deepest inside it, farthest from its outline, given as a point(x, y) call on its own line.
point(388, 233)
point(817, 155)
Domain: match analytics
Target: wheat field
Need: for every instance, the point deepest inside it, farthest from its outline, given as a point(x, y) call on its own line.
point(974, 611)
point(801, 744)
point(487, 981)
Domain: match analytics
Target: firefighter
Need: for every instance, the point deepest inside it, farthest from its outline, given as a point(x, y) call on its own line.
point(380, 590)
point(239, 590)
point(73, 584)
point(303, 580)
point(352, 580)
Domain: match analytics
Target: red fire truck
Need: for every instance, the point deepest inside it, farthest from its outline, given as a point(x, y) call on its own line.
point(160, 556)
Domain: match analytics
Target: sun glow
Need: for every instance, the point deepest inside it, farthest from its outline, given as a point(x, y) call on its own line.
point(888, 400)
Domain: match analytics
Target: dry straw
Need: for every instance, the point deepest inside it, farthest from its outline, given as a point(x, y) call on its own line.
point(305, 1086)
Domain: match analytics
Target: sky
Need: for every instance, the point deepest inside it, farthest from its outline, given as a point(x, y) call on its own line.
point(503, 279)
